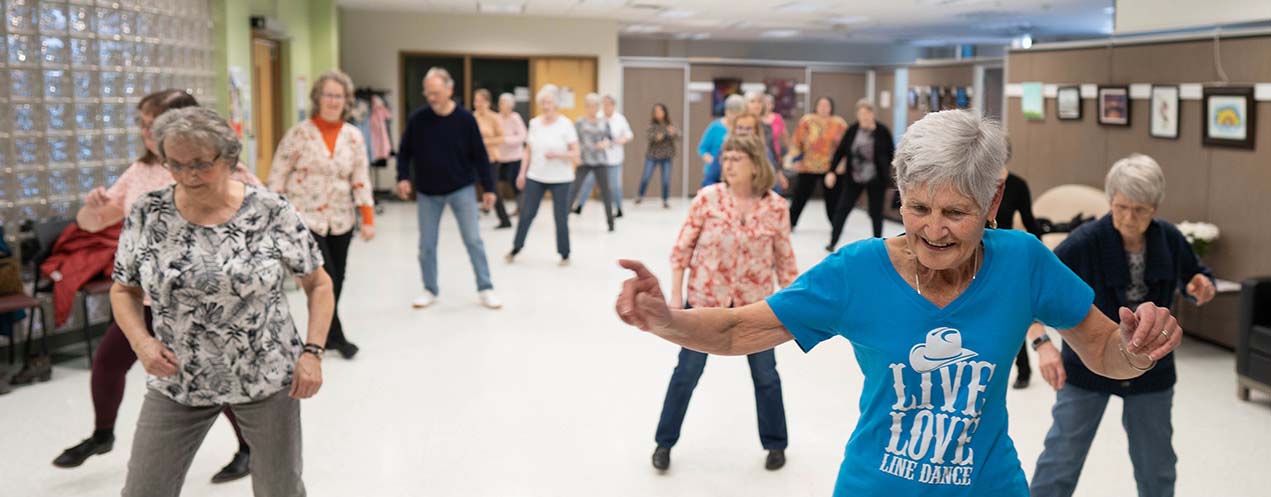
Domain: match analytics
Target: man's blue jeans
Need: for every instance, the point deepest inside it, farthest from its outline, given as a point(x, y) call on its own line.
point(464, 204)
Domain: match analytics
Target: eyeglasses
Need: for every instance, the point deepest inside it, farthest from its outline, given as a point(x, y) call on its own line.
point(333, 96)
point(197, 167)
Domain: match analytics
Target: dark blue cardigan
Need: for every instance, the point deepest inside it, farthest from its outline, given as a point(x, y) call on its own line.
point(1096, 252)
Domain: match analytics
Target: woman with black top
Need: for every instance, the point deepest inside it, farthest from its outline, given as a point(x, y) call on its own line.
point(867, 145)
point(1016, 198)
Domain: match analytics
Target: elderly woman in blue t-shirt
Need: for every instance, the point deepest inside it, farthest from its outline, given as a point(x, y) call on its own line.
point(935, 317)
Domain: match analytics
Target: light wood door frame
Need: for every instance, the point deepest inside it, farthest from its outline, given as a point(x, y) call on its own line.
point(266, 100)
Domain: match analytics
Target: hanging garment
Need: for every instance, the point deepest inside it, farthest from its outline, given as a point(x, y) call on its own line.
point(78, 257)
point(381, 147)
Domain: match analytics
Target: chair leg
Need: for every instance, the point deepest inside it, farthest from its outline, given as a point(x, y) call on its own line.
point(88, 337)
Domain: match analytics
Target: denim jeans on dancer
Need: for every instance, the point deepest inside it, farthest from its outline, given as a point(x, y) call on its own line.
point(1076, 416)
point(531, 200)
point(649, 166)
point(614, 174)
point(768, 403)
point(463, 202)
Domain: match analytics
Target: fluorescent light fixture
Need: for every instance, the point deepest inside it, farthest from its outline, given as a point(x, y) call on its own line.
point(677, 13)
point(847, 19)
point(701, 23)
point(798, 8)
point(500, 8)
point(780, 33)
point(1026, 42)
point(643, 28)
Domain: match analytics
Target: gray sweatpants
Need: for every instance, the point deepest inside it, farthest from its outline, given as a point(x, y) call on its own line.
point(168, 434)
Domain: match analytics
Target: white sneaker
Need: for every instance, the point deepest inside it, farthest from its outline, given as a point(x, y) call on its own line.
point(490, 300)
point(424, 300)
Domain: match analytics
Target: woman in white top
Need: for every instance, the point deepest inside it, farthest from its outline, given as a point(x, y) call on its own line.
point(551, 150)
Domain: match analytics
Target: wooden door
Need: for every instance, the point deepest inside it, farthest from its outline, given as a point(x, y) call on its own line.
point(642, 87)
point(266, 101)
point(576, 77)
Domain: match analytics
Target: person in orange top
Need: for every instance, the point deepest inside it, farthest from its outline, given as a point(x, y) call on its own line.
point(735, 245)
point(491, 125)
point(322, 169)
point(815, 140)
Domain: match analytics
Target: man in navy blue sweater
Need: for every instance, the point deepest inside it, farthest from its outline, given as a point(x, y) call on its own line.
point(441, 157)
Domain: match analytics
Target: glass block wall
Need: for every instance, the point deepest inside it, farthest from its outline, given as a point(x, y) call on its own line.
point(71, 74)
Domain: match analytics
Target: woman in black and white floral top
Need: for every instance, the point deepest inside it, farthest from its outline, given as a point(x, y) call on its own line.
point(212, 254)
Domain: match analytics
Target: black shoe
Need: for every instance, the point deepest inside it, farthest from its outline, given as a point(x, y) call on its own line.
point(666, 205)
point(776, 460)
point(239, 467)
point(1021, 382)
point(619, 213)
point(578, 210)
point(829, 248)
point(75, 456)
point(611, 227)
point(347, 350)
point(503, 226)
point(662, 458)
point(36, 368)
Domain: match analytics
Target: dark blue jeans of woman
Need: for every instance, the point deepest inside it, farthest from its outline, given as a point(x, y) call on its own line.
point(768, 403)
point(649, 166)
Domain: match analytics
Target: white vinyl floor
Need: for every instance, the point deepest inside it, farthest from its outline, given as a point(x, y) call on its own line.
point(554, 396)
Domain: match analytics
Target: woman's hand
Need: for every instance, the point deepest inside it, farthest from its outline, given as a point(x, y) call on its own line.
point(307, 379)
point(783, 181)
point(520, 182)
point(1149, 330)
point(708, 158)
point(96, 198)
point(830, 179)
point(1201, 289)
point(368, 232)
point(1051, 364)
point(156, 358)
point(641, 303)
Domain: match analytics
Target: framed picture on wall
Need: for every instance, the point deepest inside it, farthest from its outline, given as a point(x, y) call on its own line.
point(1114, 105)
point(723, 88)
point(784, 100)
point(1032, 103)
point(1230, 117)
point(1068, 103)
point(1164, 112)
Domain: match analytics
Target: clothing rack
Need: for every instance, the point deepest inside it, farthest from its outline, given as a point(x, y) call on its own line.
point(366, 93)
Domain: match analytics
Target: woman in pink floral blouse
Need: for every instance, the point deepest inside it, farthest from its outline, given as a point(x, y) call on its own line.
point(736, 248)
point(322, 169)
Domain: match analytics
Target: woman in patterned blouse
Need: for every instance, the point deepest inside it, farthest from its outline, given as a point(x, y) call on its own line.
point(104, 208)
point(814, 142)
point(321, 167)
point(212, 255)
point(662, 135)
point(735, 245)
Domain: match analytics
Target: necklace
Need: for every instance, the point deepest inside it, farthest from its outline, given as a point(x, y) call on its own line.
point(918, 280)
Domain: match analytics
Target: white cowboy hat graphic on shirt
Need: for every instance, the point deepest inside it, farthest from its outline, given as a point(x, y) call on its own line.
point(943, 347)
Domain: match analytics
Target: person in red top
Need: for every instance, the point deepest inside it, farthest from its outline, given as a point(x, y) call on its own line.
point(322, 169)
point(735, 245)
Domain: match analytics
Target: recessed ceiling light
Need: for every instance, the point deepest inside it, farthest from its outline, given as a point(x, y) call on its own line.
point(500, 8)
point(643, 28)
point(780, 33)
point(798, 8)
point(677, 13)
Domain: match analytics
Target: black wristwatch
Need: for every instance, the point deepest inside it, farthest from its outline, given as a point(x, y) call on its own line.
point(1040, 340)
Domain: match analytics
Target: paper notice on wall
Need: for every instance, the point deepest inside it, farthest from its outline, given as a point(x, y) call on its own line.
point(755, 87)
point(706, 86)
point(801, 88)
point(1262, 92)
point(1050, 91)
point(884, 98)
point(240, 102)
point(1089, 91)
point(566, 97)
point(1140, 91)
point(302, 98)
point(1015, 90)
point(521, 94)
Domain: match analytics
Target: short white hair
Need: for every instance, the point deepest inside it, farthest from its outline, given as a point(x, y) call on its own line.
point(507, 97)
point(864, 103)
point(609, 98)
point(442, 73)
point(547, 91)
point(1139, 178)
point(754, 95)
point(592, 99)
point(957, 148)
point(735, 104)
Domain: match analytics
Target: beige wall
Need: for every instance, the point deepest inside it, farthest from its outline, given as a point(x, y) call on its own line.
point(371, 41)
point(1228, 187)
point(926, 76)
point(1151, 15)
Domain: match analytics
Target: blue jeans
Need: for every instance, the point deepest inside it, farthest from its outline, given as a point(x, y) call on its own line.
point(464, 204)
point(614, 175)
point(649, 166)
point(1077, 413)
point(530, 201)
point(768, 403)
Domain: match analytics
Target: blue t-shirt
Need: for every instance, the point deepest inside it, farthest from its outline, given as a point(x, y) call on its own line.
point(933, 410)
